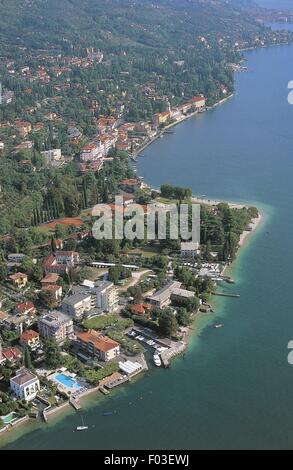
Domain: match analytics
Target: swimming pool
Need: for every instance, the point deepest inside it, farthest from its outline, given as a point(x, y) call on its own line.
point(67, 381)
point(9, 418)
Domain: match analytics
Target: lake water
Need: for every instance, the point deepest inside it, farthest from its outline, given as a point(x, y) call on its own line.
point(234, 387)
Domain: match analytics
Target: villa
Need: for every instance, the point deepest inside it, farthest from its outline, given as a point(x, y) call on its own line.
point(30, 339)
point(25, 385)
point(190, 250)
point(25, 308)
point(20, 280)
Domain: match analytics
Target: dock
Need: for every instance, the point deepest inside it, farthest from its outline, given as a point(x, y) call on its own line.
point(104, 391)
point(75, 404)
point(221, 294)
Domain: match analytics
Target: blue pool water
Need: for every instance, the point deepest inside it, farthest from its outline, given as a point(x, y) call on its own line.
point(68, 382)
point(9, 418)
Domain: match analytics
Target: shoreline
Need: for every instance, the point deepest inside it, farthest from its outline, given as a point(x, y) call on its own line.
point(160, 133)
point(190, 332)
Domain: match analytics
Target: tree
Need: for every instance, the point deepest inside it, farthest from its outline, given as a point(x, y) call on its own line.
point(53, 245)
point(168, 324)
point(183, 317)
point(3, 272)
point(52, 354)
point(27, 358)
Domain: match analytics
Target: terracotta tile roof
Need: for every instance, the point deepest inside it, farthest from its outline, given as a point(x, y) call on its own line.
point(25, 307)
point(29, 335)
point(3, 315)
point(51, 288)
point(49, 261)
point(51, 278)
point(18, 277)
point(12, 354)
point(102, 343)
point(141, 309)
point(23, 377)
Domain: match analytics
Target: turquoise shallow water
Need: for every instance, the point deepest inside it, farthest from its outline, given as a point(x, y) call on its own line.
point(234, 387)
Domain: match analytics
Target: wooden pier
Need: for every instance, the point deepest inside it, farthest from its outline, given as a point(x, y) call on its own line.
point(75, 404)
point(221, 294)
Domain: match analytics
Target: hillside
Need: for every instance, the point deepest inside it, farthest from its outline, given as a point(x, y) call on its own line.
point(153, 54)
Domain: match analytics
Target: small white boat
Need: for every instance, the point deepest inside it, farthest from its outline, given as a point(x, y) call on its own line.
point(219, 326)
point(157, 360)
point(83, 427)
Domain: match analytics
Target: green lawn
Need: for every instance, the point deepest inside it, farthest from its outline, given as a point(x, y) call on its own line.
point(101, 322)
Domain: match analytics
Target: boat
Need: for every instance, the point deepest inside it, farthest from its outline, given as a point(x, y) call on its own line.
point(83, 427)
point(219, 326)
point(108, 413)
point(157, 360)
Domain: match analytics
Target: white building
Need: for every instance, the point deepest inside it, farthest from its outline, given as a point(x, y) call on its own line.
point(53, 156)
point(70, 258)
point(77, 305)
point(106, 295)
point(90, 153)
point(25, 385)
point(56, 325)
point(190, 249)
point(16, 257)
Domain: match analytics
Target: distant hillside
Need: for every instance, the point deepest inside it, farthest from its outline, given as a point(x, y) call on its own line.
point(245, 4)
point(155, 23)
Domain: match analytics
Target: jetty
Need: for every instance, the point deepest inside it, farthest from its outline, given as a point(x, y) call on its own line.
point(222, 294)
point(75, 404)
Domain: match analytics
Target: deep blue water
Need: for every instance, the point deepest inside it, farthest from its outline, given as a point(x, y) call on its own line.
point(234, 387)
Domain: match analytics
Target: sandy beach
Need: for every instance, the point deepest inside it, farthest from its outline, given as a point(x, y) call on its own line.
point(255, 223)
point(214, 202)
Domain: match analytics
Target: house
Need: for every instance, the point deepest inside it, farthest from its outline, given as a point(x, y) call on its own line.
point(162, 298)
point(190, 249)
point(56, 325)
point(25, 385)
point(91, 153)
point(97, 345)
point(77, 305)
point(161, 118)
point(3, 317)
point(23, 127)
point(53, 290)
point(16, 257)
point(25, 308)
point(53, 156)
point(51, 266)
point(180, 295)
point(70, 258)
point(106, 295)
point(30, 339)
point(20, 280)
point(141, 309)
point(131, 185)
point(51, 278)
point(12, 355)
point(198, 102)
point(19, 322)
point(26, 145)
